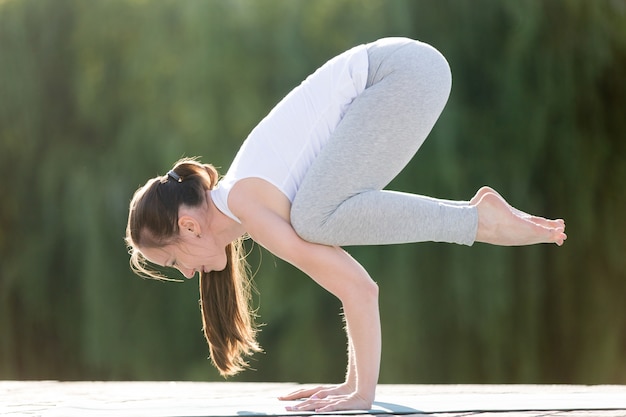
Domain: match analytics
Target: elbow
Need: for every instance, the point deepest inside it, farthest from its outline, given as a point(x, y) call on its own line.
point(365, 293)
point(361, 301)
point(372, 290)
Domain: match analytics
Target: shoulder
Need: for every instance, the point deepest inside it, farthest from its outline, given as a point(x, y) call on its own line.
point(251, 197)
point(264, 213)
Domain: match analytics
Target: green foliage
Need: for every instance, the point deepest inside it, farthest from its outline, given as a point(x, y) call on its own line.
point(96, 97)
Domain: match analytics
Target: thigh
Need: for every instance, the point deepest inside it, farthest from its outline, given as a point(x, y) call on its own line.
point(408, 86)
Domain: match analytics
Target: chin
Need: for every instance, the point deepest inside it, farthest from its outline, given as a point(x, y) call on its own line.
point(221, 266)
point(224, 266)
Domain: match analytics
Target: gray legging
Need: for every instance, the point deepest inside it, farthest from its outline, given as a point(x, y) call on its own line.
point(341, 200)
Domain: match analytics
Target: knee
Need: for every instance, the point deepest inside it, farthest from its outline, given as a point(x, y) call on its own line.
point(442, 73)
point(430, 70)
point(305, 223)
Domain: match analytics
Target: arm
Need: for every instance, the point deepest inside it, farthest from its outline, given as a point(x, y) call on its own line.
point(340, 274)
point(266, 219)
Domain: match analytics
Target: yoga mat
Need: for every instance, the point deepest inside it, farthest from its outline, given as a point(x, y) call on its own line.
point(197, 399)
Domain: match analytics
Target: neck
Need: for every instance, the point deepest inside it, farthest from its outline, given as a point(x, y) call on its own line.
point(224, 229)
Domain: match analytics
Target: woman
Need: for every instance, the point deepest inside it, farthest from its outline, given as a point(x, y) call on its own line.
point(308, 180)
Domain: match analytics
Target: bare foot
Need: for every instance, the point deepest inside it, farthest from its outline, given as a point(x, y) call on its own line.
point(501, 224)
point(539, 220)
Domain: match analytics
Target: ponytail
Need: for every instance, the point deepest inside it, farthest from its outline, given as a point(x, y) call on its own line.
point(227, 317)
point(225, 296)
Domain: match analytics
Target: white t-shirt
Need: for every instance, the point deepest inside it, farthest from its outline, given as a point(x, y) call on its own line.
point(283, 146)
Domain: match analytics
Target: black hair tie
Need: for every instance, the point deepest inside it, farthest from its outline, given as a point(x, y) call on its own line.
point(171, 174)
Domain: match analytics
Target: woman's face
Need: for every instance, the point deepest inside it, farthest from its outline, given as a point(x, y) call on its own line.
point(190, 255)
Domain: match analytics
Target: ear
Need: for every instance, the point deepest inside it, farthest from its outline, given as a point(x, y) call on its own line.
point(189, 226)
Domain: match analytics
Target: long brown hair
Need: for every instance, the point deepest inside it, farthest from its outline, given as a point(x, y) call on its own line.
point(225, 296)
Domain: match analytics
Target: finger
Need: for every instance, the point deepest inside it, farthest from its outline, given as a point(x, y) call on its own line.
point(308, 405)
point(337, 406)
point(313, 403)
point(293, 396)
point(321, 394)
point(321, 405)
point(300, 394)
point(326, 408)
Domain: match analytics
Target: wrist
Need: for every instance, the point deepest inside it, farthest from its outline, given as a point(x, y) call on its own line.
point(348, 386)
point(367, 398)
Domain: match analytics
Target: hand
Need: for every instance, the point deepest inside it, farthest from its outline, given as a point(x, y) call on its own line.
point(318, 392)
point(335, 402)
point(327, 398)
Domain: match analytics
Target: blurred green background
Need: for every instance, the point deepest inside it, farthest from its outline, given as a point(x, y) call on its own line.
point(97, 96)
